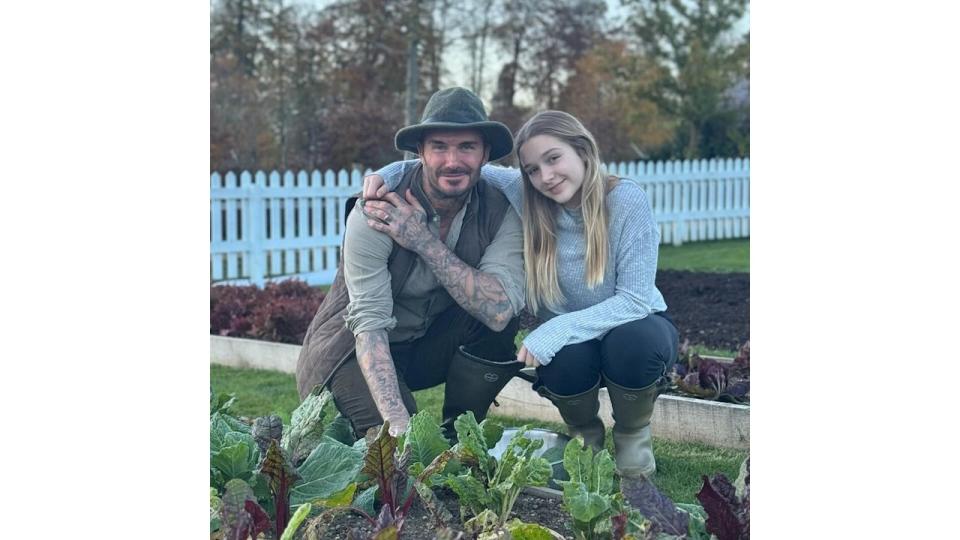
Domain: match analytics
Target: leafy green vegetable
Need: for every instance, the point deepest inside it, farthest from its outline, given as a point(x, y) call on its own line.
point(237, 459)
point(590, 495)
point(265, 429)
point(425, 440)
point(698, 521)
point(366, 499)
point(340, 430)
point(484, 524)
point(328, 469)
point(225, 422)
point(221, 402)
point(281, 474)
point(240, 514)
point(435, 508)
point(394, 483)
point(215, 504)
point(488, 487)
point(233, 451)
point(471, 492)
point(301, 514)
point(306, 427)
point(340, 499)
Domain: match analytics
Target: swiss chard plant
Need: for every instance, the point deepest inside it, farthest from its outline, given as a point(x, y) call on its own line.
point(591, 496)
point(282, 467)
point(240, 514)
point(397, 487)
point(710, 379)
point(488, 487)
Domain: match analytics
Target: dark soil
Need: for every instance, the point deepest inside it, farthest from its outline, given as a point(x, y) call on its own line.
point(419, 525)
point(710, 309)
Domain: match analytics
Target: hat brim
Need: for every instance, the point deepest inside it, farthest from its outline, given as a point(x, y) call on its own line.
point(496, 134)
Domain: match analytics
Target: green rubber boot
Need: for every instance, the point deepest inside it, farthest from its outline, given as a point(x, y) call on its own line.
point(579, 412)
point(632, 411)
point(472, 385)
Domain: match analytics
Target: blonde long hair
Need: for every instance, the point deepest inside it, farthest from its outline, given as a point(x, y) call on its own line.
point(539, 212)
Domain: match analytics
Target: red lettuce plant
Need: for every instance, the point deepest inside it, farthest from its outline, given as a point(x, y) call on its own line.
point(728, 512)
point(725, 514)
point(710, 379)
point(664, 516)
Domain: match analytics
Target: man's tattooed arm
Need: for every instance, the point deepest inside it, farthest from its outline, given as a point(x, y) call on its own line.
point(376, 364)
point(480, 294)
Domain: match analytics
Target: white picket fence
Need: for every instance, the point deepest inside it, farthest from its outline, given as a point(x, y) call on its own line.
point(274, 226)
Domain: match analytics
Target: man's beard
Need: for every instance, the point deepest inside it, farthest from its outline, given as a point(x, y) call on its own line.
point(432, 183)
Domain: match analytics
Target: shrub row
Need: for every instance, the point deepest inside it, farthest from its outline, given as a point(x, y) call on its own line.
point(279, 312)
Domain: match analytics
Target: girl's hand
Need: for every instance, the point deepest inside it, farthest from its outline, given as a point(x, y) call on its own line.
point(373, 187)
point(527, 357)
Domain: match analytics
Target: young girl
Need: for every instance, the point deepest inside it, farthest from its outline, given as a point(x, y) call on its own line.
point(590, 252)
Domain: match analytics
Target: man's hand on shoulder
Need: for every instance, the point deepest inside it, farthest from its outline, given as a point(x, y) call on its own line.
point(403, 220)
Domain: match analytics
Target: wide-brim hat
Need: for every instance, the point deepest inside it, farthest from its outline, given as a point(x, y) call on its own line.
point(457, 108)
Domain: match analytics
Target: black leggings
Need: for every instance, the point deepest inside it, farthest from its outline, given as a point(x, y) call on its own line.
point(633, 355)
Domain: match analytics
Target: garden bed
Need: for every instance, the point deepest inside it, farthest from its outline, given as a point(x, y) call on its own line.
point(710, 309)
point(270, 477)
point(675, 417)
point(530, 508)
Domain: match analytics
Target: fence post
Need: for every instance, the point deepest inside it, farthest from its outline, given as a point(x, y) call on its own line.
point(216, 233)
point(255, 224)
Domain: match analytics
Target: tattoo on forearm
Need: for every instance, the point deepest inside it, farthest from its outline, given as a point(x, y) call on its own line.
point(376, 364)
point(481, 295)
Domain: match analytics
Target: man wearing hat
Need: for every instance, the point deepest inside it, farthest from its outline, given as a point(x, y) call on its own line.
point(430, 282)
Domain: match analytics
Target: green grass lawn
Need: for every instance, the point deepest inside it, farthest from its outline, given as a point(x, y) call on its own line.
point(716, 256)
point(679, 465)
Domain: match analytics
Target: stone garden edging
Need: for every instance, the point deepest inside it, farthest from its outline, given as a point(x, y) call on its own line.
point(676, 418)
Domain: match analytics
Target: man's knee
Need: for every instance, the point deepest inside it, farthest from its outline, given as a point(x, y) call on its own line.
point(494, 345)
point(352, 397)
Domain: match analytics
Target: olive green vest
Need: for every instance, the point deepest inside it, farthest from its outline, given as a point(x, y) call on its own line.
point(328, 342)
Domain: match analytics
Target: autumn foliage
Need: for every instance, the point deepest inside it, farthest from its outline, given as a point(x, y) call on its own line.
point(300, 86)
